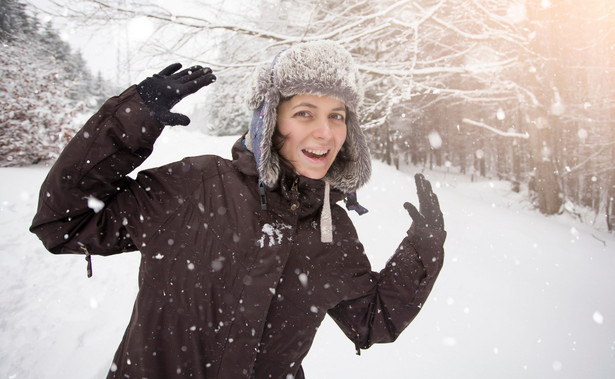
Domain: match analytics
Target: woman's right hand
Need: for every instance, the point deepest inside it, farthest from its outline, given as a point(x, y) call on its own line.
point(163, 90)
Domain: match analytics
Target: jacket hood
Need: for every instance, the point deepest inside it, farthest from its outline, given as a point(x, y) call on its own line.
point(317, 68)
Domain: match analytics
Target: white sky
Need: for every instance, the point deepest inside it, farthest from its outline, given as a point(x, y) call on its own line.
point(101, 45)
point(98, 45)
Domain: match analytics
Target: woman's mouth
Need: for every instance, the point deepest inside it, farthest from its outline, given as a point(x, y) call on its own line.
point(315, 153)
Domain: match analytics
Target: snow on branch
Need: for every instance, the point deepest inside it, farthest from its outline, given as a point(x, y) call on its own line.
point(201, 23)
point(425, 71)
point(588, 159)
point(494, 130)
point(359, 21)
point(511, 37)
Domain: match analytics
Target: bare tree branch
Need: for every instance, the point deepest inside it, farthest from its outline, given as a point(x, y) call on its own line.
point(494, 130)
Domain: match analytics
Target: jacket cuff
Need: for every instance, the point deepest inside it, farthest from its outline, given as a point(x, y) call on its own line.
point(429, 245)
point(141, 115)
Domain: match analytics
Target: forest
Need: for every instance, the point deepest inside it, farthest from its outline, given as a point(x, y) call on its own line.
point(521, 91)
point(45, 88)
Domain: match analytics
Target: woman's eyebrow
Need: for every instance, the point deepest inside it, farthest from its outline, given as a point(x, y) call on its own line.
point(304, 104)
point(310, 105)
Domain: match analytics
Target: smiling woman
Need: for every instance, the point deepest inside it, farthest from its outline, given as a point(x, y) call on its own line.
point(241, 259)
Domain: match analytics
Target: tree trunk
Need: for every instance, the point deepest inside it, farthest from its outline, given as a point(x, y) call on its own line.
point(546, 181)
point(501, 159)
point(516, 165)
point(462, 158)
point(386, 140)
point(549, 194)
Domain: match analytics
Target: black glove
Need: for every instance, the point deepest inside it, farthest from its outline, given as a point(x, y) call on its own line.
point(430, 215)
point(163, 90)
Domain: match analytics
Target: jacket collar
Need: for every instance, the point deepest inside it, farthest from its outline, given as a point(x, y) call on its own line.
point(311, 191)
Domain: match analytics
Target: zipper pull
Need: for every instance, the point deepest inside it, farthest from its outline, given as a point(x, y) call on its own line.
point(357, 338)
point(88, 259)
point(294, 193)
point(295, 186)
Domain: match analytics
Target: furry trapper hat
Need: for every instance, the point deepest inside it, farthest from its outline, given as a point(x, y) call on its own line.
point(316, 68)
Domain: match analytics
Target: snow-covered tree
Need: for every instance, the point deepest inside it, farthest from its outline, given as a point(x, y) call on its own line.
point(43, 89)
point(520, 90)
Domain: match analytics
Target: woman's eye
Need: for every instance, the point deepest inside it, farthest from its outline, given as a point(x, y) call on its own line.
point(302, 114)
point(337, 116)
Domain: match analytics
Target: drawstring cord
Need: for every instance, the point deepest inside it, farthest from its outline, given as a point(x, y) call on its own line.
point(326, 224)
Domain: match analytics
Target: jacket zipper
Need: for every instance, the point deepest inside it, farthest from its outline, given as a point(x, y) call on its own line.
point(262, 192)
point(294, 194)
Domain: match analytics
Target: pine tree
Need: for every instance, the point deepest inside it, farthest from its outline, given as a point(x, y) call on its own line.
point(43, 87)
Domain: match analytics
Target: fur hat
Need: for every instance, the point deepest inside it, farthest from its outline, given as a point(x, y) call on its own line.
point(317, 68)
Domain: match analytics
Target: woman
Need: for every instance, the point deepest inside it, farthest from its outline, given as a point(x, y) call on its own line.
point(242, 258)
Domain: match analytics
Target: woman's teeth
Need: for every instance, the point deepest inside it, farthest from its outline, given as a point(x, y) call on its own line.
point(315, 153)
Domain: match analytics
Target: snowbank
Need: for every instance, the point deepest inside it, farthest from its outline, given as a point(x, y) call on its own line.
point(520, 296)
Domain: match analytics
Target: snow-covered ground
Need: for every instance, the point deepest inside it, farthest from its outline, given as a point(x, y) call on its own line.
point(520, 296)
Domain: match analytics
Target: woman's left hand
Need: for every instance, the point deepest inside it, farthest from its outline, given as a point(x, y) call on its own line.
point(430, 215)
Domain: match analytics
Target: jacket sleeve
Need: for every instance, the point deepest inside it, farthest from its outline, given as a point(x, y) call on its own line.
point(386, 302)
point(87, 198)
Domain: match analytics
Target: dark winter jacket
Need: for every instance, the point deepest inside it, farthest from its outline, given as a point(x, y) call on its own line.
point(226, 290)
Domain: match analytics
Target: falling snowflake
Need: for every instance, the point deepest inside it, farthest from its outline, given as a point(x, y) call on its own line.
point(517, 13)
point(303, 278)
point(500, 114)
point(95, 204)
point(575, 233)
point(217, 264)
point(557, 366)
point(450, 341)
point(435, 140)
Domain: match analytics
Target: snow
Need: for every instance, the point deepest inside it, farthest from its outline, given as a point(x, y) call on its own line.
point(272, 233)
point(520, 295)
point(140, 29)
point(435, 141)
point(95, 204)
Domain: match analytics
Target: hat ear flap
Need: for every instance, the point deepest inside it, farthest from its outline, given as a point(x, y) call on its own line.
point(353, 170)
point(260, 83)
point(269, 163)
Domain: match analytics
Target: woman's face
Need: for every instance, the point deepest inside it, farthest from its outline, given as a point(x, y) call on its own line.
point(314, 130)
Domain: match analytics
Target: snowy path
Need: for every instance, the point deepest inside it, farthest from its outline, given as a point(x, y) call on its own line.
point(520, 295)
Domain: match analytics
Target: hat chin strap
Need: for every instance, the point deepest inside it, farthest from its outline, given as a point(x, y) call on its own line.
point(326, 224)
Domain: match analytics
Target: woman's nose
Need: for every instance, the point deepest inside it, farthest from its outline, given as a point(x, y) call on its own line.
point(323, 129)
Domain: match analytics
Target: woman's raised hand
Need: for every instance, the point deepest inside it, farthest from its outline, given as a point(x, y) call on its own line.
point(430, 215)
point(163, 90)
